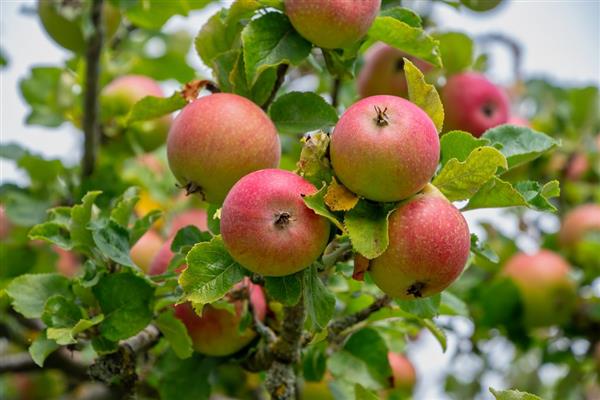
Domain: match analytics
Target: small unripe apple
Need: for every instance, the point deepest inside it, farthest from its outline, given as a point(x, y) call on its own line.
point(474, 104)
point(403, 372)
point(195, 217)
point(578, 222)
point(384, 148)
point(145, 249)
point(68, 33)
point(429, 246)
point(266, 226)
point(216, 140)
point(332, 24)
point(118, 98)
point(383, 71)
point(547, 292)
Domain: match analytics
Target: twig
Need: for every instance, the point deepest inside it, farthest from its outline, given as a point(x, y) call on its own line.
point(91, 126)
point(281, 71)
point(335, 91)
point(514, 47)
point(335, 252)
point(61, 359)
point(338, 326)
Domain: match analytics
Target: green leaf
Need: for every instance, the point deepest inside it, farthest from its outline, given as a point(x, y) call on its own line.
point(403, 14)
point(401, 35)
point(213, 214)
point(362, 360)
point(421, 308)
point(314, 361)
point(142, 225)
point(81, 215)
point(364, 394)
point(513, 395)
point(483, 250)
point(41, 348)
point(499, 193)
point(459, 180)
point(121, 212)
point(319, 301)
point(367, 226)
point(286, 289)
point(176, 334)
point(66, 336)
point(29, 293)
point(211, 272)
point(155, 13)
point(60, 312)
point(113, 241)
point(258, 91)
point(125, 300)
point(300, 112)
point(423, 94)
point(459, 144)
point(24, 209)
point(185, 379)
point(453, 305)
point(216, 38)
point(314, 164)
point(457, 51)
point(437, 332)
point(52, 232)
point(519, 144)
point(269, 41)
point(316, 202)
point(187, 237)
point(151, 107)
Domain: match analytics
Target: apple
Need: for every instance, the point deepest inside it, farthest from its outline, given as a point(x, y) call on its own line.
point(578, 222)
point(216, 140)
point(383, 71)
point(577, 166)
point(384, 148)
point(195, 217)
point(119, 97)
point(547, 292)
point(145, 249)
point(332, 24)
point(474, 104)
point(68, 32)
point(404, 375)
point(5, 225)
point(429, 247)
point(267, 228)
point(518, 121)
point(67, 263)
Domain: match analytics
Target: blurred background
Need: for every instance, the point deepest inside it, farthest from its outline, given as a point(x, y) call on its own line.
point(558, 40)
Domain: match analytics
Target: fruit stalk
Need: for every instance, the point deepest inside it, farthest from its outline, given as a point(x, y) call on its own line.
point(281, 71)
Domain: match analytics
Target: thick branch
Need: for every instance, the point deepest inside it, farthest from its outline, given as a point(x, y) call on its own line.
point(338, 326)
point(281, 71)
point(91, 109)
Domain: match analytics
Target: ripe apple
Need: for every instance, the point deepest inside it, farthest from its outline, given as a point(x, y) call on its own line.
point(547, 292)
point(383, 71)
point(119, 96)
point(216, 140)
point(429, 246)
point(403, 372)
point(384, 148)
point(67, 32)
point(474, 104)
point(216, 332)
point(518, 121)
point(266, 226)
point(145, 249)
point(332, 24)
point(578, 222)
point(195, 217)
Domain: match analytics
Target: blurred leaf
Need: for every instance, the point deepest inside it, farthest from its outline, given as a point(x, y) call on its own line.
point(423, 94)
point(185, 379)
point(113, 241)
point(364, 394)
point(187, 237)
point(483, 250)
point(367, 226)
point(125, 300)
point(285, 289)
point(29, 293)
point(519, 144)
point(217, 37)
point(457, 51)
point(153, 14)
point(271, 40)
point(41, 348)
point(404, 37)
point(151, 107)
point(213, 214)
point(437, 332)
point(314, 164)
point(459, 180)
point(459, 144)
point(301, 112)
point(314, 362)
point(176, 334)
point(513, 395)
point(211, 272)
point(24, 209)
point(499, 193)
point(453, 305)
point(319, 301)
point(405, 15)
point(421, 308)
point(142, 225)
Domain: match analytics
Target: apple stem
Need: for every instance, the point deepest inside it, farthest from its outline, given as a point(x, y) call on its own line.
point(382, 118)
point(416, 289)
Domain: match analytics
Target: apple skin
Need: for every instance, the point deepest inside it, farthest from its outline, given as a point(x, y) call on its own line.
point(218, 139)
point(267, 228)
point(383, 71)
point(518, 121)
point(577, 166)
point(473, 104)
point(119, 97)
point(145, 249)
point(397, 157)
point(67, 263)
point(332, 24)
point(69, 33)
point(404, 375)
point(195, 217)
point(547, 292)
point(578, 222)
point(429, 246)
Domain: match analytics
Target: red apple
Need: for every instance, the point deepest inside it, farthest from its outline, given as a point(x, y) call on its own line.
point(266, 226)
point(67, 263)
point(578, 222)
point(403, 372)
point(383, 71)
point(332, 24)
point(474, 104)
point(216, 140)
point(429, 246)
point(385, 148)
point(195, 217)
point(547, 292)
point(518, 121)
point(145, 249)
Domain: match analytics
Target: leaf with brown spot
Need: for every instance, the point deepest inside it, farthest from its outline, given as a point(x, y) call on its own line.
point(339, 197)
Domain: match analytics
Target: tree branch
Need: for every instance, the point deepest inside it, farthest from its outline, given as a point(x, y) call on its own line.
point(62, 359)
point(281, 71)
point(335, 91)
point(336, 327)
point(91, 109)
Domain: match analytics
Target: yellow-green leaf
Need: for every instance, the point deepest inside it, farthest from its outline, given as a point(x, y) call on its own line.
point(423, 94)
